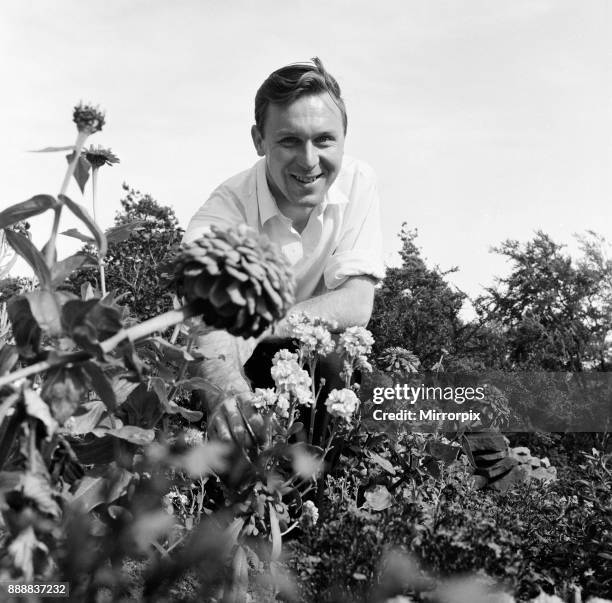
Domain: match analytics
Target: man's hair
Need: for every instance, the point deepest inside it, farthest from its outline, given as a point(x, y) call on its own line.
point(289, 83)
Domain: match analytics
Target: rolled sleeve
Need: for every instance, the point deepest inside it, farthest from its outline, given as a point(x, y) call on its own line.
point(359, 252)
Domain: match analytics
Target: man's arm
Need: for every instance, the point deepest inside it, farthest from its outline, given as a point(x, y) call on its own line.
point(348, 305)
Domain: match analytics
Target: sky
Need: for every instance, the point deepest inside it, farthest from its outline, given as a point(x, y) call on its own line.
point(483, 119)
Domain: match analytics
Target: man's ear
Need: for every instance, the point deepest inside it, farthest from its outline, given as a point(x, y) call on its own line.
point(257, 140)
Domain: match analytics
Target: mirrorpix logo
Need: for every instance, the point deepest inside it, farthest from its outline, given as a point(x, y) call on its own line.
point(412, 395)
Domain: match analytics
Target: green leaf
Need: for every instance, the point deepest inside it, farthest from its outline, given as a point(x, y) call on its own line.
point(118, 234)
point(75, 234)
point(80, 212)
point(159, 387)
point(81, 170)
point(101, 384)
point(46, 311)
point(61, 270)
point(26, 209)
point(25, 248)
point(36, 407)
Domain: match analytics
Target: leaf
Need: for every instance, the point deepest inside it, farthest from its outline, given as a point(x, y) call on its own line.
point(172, 352)
point(443, 452)
point(61, 270)
point(75, 234)
point(26, 331)
point(382, 462)
point(25, 248)
point(53, 149)
point(240, 578)
point(133, 434)
point(142, 407)
point(378, 498)
point(22, 550)
point(63, 390)
point(101, 384)
point(37, 489)
point(87, 417)
point(101, 486)
point(8, 358)
point(36, 407)
point(26, 209)
point(81, 170)
point(118, 234)
point(275, 533)
point(80, 212)
point(208, 459)
point(170, 406)
point(46, 311)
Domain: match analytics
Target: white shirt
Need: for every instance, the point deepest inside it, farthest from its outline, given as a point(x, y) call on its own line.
point(341, 239)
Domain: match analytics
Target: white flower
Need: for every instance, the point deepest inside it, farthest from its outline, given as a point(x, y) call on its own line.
point(282, 406)
point(310, 513)
point(312, 333)
point(193, 437)
point(342, 403)
point(264, 398)
point(290, 378)
point(356, 341)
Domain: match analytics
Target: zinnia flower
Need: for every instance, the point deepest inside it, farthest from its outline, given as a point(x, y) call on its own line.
point(88, 118)
point(242, 280)
point(342, 403)
point(99, 156)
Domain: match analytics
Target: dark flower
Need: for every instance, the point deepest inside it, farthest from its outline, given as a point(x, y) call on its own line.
point(88, 119)
point(243, 280)
point(99, 156)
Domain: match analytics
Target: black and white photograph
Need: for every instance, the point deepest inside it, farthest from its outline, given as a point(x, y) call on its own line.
point(307, 302)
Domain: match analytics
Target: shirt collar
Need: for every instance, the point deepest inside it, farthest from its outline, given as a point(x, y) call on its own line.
point(267, 205)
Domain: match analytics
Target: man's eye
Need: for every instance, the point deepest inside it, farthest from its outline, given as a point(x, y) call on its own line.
point(325, 139)
point(288, 141)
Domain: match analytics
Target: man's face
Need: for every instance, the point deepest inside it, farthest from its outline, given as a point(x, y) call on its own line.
point(303, 143)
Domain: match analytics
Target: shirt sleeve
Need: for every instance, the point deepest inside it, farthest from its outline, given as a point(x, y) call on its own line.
point(222, 209)
point(359, 252)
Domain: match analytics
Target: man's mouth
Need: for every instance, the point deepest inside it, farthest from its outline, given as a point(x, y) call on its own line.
point(306, 179)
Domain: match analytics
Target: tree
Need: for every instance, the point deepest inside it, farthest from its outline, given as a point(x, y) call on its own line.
point(555, 312)
point(136, 255)
point(415, 308)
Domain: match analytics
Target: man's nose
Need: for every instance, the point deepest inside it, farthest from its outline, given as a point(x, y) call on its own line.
point(309, 157)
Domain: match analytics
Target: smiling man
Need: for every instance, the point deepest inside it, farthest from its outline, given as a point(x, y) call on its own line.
point(318, 205)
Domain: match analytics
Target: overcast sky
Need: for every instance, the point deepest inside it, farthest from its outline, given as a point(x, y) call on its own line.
point(484, 120)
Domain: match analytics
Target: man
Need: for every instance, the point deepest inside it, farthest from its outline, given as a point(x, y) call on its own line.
point(319, 206)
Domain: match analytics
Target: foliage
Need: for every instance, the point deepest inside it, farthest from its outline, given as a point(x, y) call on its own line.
point(553, 310)
point(144, 237)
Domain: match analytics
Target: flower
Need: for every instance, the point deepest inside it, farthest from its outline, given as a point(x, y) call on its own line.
point(356, 341)
point(342, 403)
point(282, 406)
point(193, 437)
point(312, 333)
point(89, 119)
point(310, 513)
point(241, 280)
point(99, 156)
point(263, 398)
point(290, 378)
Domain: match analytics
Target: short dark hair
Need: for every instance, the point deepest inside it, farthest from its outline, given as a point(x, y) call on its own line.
point(289, 83)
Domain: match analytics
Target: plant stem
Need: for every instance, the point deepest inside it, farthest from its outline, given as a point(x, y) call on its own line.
point(94, 198)
point(78, 146)
point(157, 323)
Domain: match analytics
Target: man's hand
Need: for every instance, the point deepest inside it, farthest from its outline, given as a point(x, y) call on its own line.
point(235, 420)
